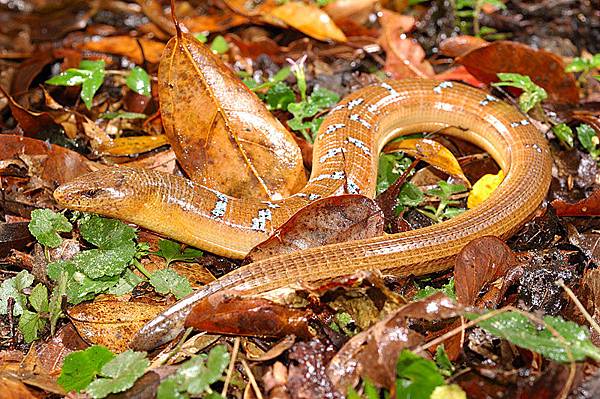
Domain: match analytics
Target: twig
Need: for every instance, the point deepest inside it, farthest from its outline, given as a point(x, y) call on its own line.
point(579, 305)
point(252, 380)
point(234, 353)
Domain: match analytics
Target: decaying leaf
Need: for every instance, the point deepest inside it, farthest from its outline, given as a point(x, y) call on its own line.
point(223, 135)
point(327, 221)
point(111, 323)
point(483, 188)
point(123, 146)
point(480, 262)
point(589, 206)
point(545, 69)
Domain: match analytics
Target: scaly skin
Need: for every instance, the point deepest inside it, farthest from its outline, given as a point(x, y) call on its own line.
point(345, 159)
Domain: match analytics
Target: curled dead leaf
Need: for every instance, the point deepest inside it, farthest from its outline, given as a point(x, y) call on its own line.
point(128, 46)
point(431, 152)
point(480, 262)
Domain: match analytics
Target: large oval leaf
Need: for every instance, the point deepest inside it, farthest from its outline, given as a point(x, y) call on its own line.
point(223, 135)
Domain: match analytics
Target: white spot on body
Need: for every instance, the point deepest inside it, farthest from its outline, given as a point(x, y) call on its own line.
point(220, 205)
point(352, 187)
point(355, 103)
point(312, 197)
point(523, 122)
point(359, 144)
point(443, 85)
point(260, 223)
point(331, 153)
point(488, 99)
point(339, 175)
point(357, 118)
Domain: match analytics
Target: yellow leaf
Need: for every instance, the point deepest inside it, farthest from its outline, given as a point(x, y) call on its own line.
point(309, 19)
point(431, 152)
point(453, 391)
point(132, 145)
point(483, 188)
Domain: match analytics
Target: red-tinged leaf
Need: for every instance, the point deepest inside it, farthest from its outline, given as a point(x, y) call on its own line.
point(327, 221)
point(480, 262)
point(457, 46)
point(307, 376)
point(31, 122)
point(226, 313)
point(214, 22)
point(544, 68)
point(405, 57)
point(223, 135)
point(57, 165)
point(13, 236)
point(589, 206)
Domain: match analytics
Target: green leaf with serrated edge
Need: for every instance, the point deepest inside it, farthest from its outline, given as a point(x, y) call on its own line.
point(172, 252)
point(96, 263)
point(324, 98)
point(81, 367)
point(416, 377)
point(564, 133)
point(410, 195)
point(30, 324)
point(119, 374)
point(219, 45)
point(13, 288)
point(532, 93)
point(45, 226)
point(167, 280)
point(578, 65)
point(216, 363)
point(126, 283)
point(39, 298)
point(79, 287)
point(105, 233)
point(139, 81)
point(519, 330)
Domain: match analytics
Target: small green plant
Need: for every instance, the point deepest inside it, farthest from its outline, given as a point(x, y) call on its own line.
point(467, 13)
point(196, 376)
point(447, 289)
point(444, 193)
point(564, 133)
point(90, 75)
point(584, 66)
point(589, 140)
point(532, 95)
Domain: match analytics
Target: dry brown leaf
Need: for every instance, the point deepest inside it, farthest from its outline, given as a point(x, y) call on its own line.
point(341, 9)
point(431, 152)
point(327, 221)
point(309, 19)
point(479, 263)
point(31, 122)
point(214, 23)
point(456, 46)
point(57, 165)
point(223, 135)
point(12, 388)
point(111, 323)
point(132, 145)
point(128, 46)
point(405, 57)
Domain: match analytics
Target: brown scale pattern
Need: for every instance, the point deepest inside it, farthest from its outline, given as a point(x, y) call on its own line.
point(190, 213)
